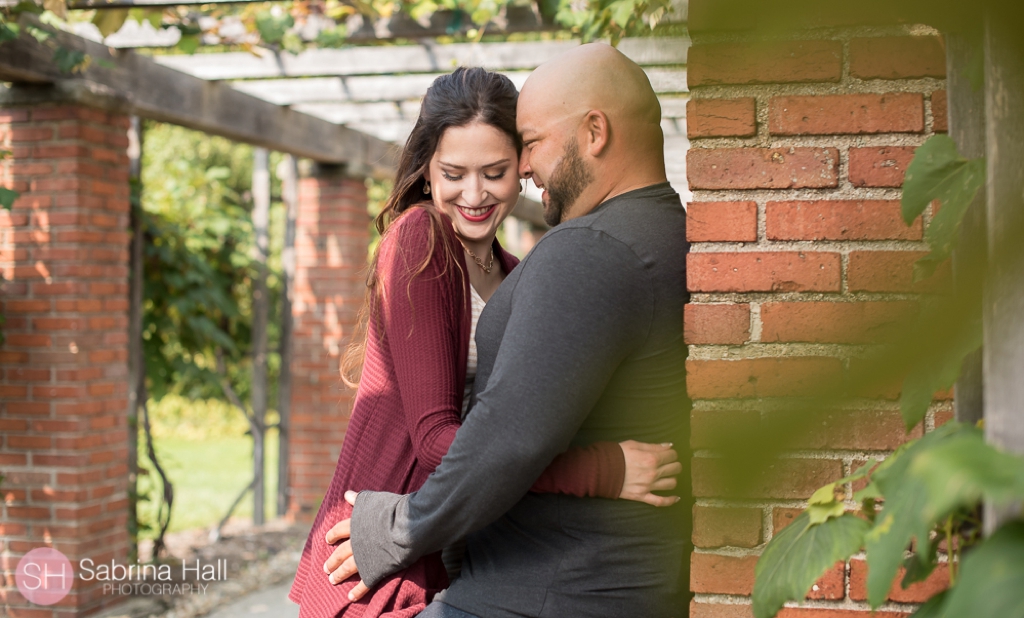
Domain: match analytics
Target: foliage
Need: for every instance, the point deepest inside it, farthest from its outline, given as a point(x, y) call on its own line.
point(931, 488)
point(50, 16)
point(295, 25)
point(938, 172)
point(613, 19)
point(798, 555)
point(198, 269)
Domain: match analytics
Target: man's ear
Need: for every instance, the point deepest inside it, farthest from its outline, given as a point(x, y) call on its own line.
point(596, 131)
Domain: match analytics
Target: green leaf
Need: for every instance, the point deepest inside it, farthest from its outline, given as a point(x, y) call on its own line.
point(188, 43)
point(155, 17)
point(9, 31)
point(938, 172)
point(939, 371)
point(991, 581)
point(621, 12)
point(38, 33)
point(933, 607)
point(110, 21)
point(796, 557)
point(900, 519)
point(963, 469)
point(861, 473)
point(27, 6)
point(69, 60)
point(7, 197)
point(272, 28)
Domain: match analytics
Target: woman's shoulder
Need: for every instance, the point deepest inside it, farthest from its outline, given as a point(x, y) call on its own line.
point(414, 234)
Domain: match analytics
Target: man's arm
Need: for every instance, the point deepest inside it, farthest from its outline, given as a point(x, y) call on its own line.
point(581, 306)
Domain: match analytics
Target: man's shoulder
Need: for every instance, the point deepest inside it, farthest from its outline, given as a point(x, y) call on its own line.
point(576, 242)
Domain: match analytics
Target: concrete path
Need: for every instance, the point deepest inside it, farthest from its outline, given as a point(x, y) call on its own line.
point(272, 602)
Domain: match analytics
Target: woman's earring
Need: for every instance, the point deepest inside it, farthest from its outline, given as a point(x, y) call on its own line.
point(426, 188)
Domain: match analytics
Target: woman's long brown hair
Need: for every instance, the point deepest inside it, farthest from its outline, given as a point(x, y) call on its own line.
point(465, 96)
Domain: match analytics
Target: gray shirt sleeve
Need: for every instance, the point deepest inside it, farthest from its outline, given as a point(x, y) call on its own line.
point(582, 304)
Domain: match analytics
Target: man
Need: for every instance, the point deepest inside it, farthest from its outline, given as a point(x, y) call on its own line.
point(582, 343)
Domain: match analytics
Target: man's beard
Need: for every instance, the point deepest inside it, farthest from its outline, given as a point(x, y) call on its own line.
point(567, 182)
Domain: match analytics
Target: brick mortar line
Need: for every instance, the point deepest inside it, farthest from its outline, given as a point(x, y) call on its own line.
point(818, 33)
point(804, 194)
point(861, 404)
point(847, 603)
point(822, 454)
point(763, 92)
point(698, 298)
point(795, 349)
point(814, 140)
point(809, 246)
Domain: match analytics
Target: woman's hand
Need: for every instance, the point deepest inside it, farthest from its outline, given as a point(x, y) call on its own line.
point(649, 468)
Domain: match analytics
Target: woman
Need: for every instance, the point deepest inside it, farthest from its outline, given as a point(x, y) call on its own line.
point(437, 264)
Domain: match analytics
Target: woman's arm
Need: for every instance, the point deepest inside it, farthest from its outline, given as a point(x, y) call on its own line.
point(422, 335)
point(629, 470)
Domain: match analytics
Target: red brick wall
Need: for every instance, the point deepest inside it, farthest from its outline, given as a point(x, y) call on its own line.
point(332, 232)
point(63, 371)
point(799, 254)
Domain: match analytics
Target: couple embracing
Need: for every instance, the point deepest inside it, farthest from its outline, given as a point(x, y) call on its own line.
point(513, 421)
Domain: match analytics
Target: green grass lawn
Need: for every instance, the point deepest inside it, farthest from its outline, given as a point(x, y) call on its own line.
point(208, 473)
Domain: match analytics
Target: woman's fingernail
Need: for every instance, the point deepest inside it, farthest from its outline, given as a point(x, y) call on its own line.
point(326, 570)
point(351, 597)
point(667, 444)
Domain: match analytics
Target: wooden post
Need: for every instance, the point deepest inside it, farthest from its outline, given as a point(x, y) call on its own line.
point(136, 371)
point(966, 103)
point(289, 174)
point(1004, 302)
point(260, 313)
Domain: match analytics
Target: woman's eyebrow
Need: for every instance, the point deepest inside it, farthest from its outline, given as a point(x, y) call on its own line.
point(462, 167)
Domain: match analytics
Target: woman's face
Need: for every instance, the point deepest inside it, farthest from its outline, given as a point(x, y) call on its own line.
point(474, 179)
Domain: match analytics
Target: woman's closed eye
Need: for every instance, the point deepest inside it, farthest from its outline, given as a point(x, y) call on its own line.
point(452, 178)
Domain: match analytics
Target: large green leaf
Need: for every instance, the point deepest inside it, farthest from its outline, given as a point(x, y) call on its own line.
point(901, 520)
point(795, 558)
point(962, 470)
point(938, 172)
point(991, 583)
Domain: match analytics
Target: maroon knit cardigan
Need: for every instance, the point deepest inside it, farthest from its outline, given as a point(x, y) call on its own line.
point(406, 413)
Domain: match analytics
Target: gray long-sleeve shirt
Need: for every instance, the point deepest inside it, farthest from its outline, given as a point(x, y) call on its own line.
point(582, 342)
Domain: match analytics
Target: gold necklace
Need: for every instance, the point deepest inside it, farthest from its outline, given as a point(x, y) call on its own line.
point(479, 262)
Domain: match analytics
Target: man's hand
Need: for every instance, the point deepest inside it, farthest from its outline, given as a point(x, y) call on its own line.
point(342, 564)
point(649, 468)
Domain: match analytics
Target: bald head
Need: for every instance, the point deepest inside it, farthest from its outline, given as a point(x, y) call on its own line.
point(595, 76)
point(591, 126)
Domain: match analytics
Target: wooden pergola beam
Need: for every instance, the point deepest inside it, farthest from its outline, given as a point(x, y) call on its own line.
point(135, 84)
point(366, 89)
point(423, 58)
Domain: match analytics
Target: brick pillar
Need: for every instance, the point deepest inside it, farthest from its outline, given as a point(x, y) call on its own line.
point(798, 150)
point(63, 372)
point(332, 233)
